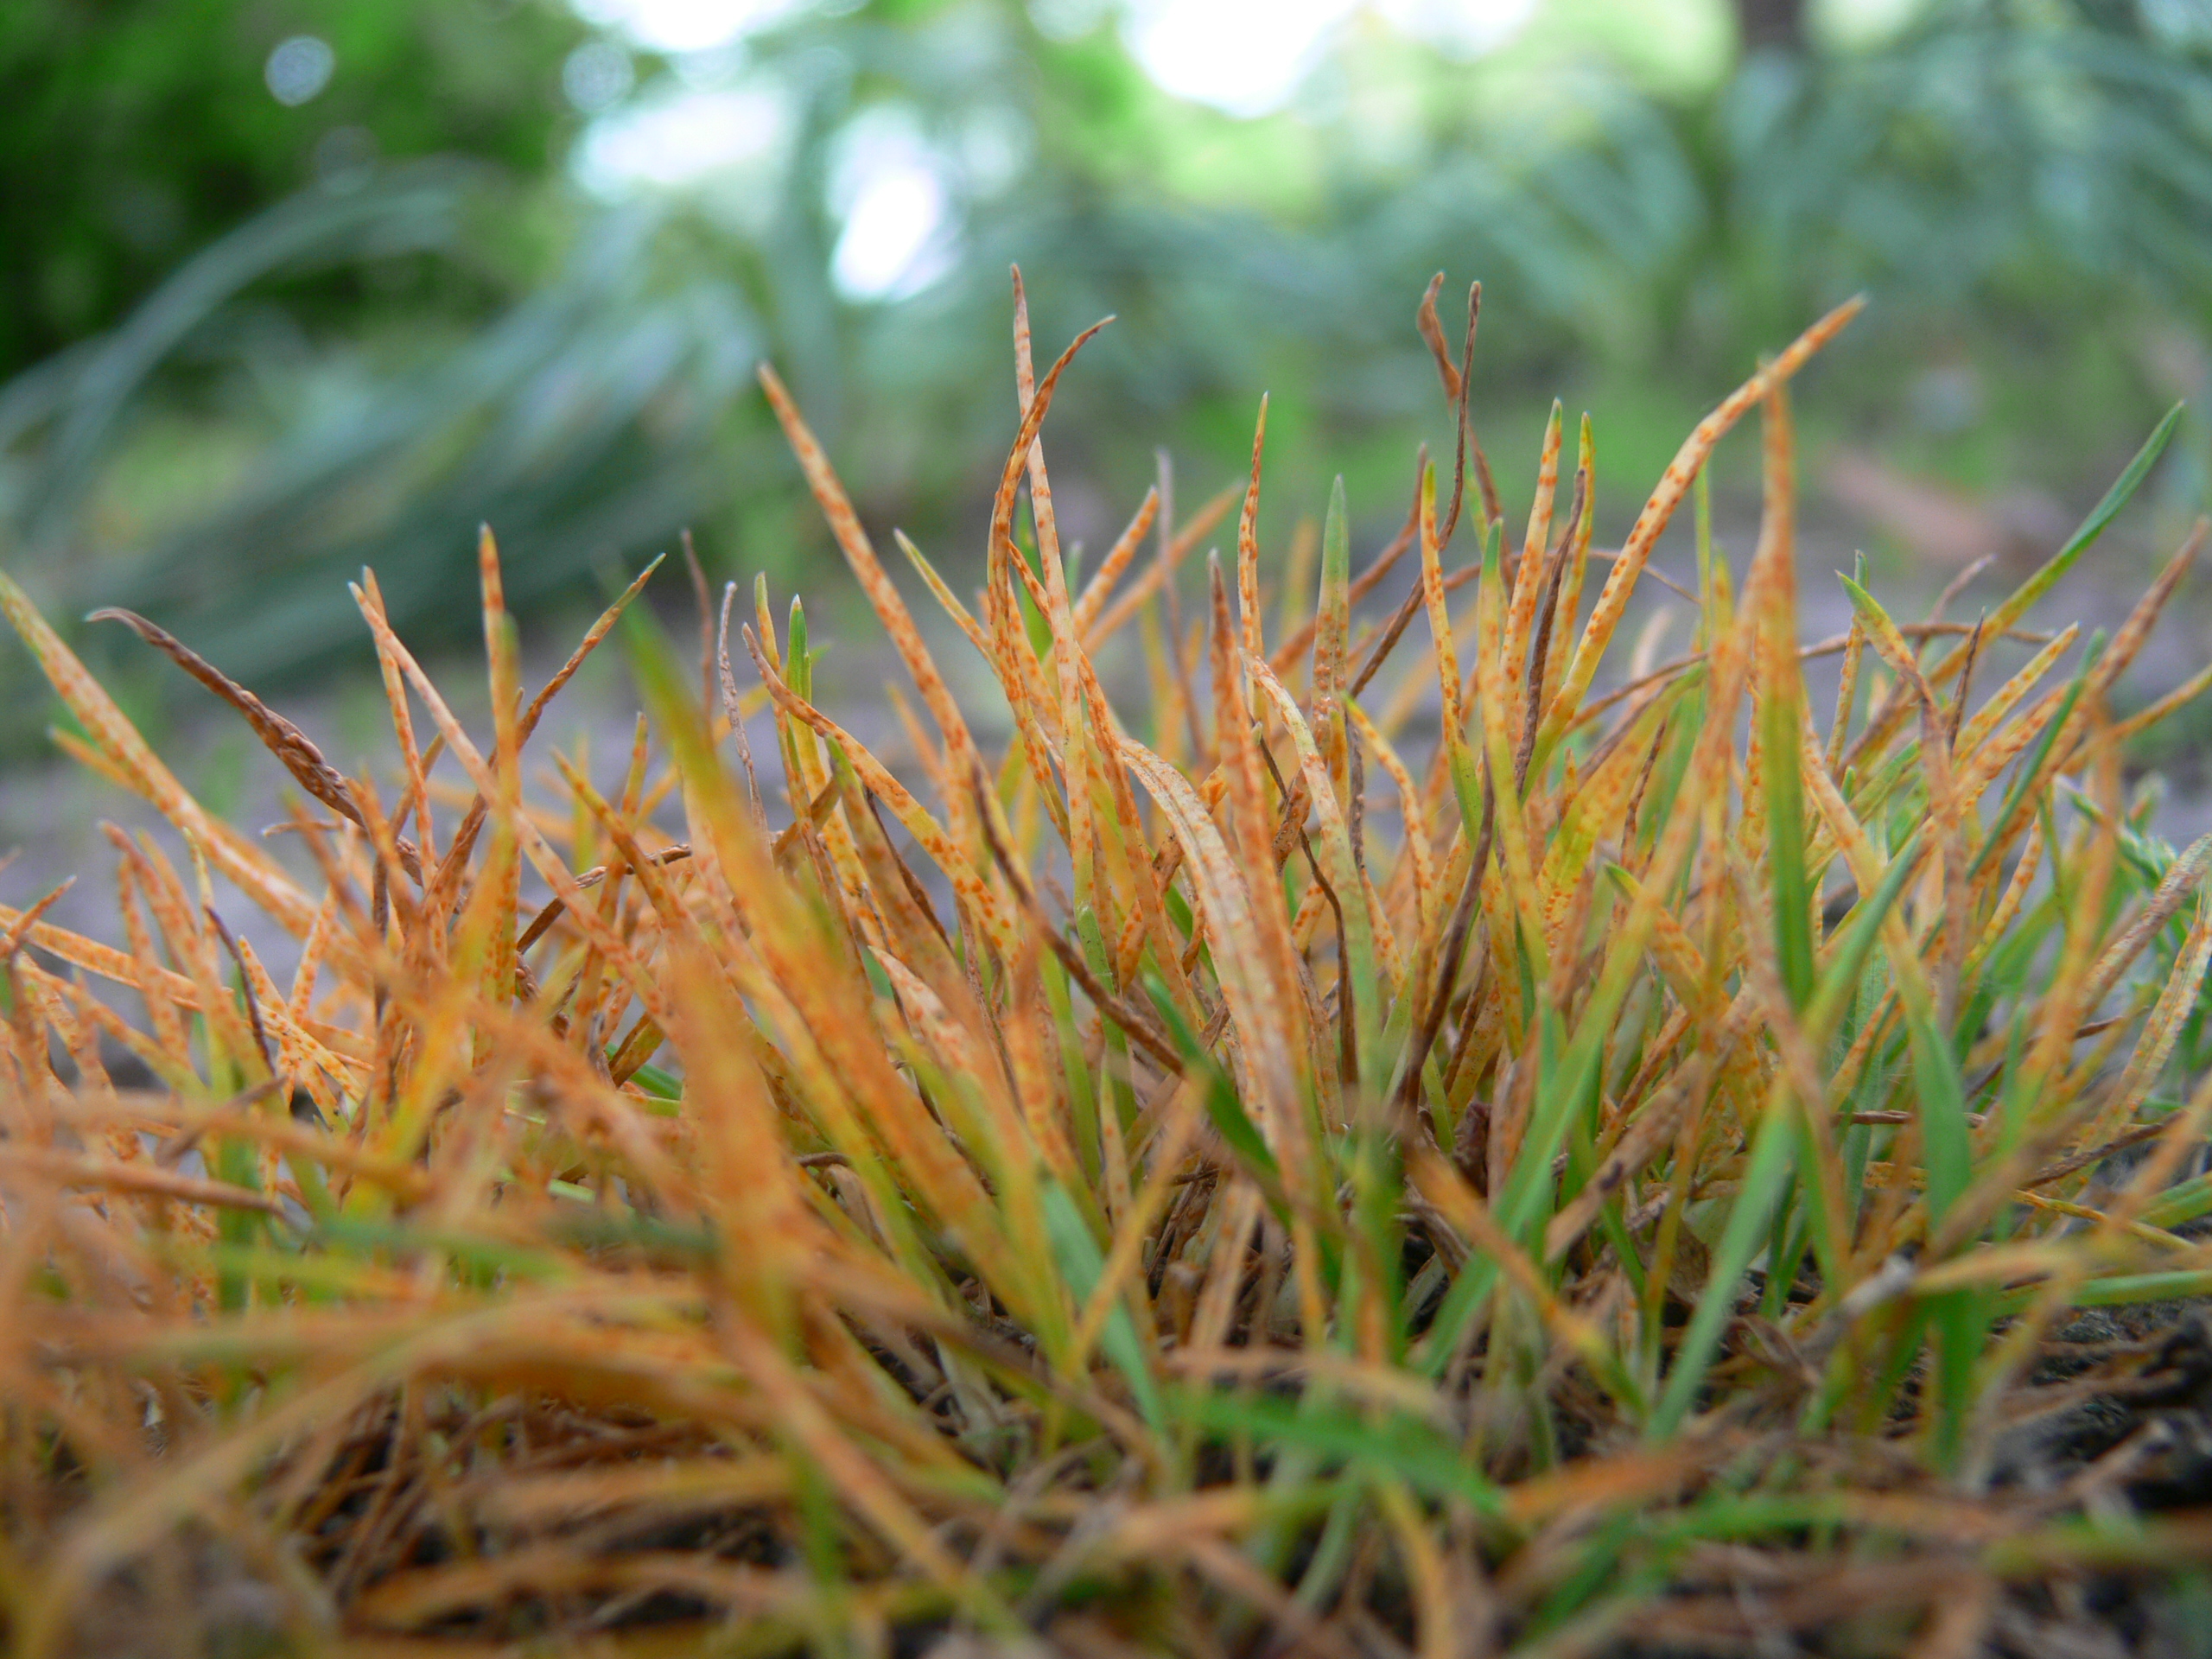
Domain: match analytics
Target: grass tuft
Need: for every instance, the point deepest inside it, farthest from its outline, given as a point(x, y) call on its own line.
point(1373, 1146)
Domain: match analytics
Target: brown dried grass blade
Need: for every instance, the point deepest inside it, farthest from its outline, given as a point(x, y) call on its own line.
point(1432, 331)
point(278, 735)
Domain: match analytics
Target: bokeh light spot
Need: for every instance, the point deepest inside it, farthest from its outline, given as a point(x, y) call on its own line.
point(597, 76)
point(299, 69)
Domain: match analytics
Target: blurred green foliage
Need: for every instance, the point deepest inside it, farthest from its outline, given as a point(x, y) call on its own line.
point(135, 132)
point(358, 363)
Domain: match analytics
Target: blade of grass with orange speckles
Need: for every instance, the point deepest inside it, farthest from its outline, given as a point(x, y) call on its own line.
point(1529, 570)
point(1363, 989)
point(120, 743)
point(1674, 483)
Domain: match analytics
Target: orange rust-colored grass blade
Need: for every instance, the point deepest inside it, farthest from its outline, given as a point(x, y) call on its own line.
point(969, 886)
point(1987, 719)
point(14, 933)
point(120, 743)
point(1161, 573)
point(1440, 616)
point(1529, 572)
point(1674, 483)
point(1100, 587)
point(1497, 708)
point(1256, 1007)
point(601, 626)
point(875, 581)
point(403, 726)
point(1333, 610)
point(1432, 332)
point(501, 880)
point(1068, 660)
point(1420, 854)
point(2151, 714)
point(444, 883)
point(278, 735)
point(1248, 546)
point(767, 1216)
point(1000, 551)
point(1336, 853)
point(1257, 932)
point(540, 853)
point(2177, 1000)
point(2128, 640)
point(1568, 605)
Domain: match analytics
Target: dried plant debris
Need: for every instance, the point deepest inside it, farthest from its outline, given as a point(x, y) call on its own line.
point(1668, 1170)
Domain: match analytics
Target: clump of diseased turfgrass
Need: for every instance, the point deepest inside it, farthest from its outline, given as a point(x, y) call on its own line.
point(1624, 1178)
